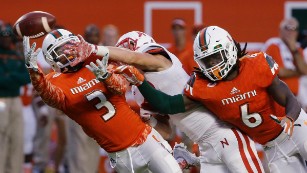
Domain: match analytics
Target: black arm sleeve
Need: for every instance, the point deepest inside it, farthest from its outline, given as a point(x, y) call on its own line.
point(162, 102)
point(283, 96)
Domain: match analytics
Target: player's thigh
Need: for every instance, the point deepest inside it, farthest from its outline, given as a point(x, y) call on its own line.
point(299, 135)
point(159, 159)
point(293, 164)
point(238, 152)
point(163, 162)
point(128, 160)
point(213, 167)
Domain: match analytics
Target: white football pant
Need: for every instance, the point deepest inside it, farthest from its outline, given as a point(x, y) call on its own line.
point(228, 150)
point(288, 155)
point(151, 156)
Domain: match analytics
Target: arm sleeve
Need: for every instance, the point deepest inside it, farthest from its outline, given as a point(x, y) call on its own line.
point(162, 102)
point(50, 94)
point(283, 96)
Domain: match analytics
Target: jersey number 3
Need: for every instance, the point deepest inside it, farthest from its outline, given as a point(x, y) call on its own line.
point(103, 103)
point(250, 120)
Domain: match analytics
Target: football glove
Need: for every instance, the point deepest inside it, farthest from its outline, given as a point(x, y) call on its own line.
point(286, 122)
point(30, 54)
point(132, 74)
point(184, 158)
point(84, 49)
point(100, 70)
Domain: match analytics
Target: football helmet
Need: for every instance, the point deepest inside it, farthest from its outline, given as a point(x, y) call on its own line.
point(134, 40)
point(215, 52)
point(53, 49)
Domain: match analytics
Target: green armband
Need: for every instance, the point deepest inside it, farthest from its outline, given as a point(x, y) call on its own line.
point(162, 102)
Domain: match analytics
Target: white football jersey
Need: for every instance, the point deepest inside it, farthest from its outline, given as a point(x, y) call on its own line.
point(196, 123)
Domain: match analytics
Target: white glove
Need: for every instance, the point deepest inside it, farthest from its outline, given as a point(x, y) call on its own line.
point(100, 70)
point(30, 54)
point(185, 158)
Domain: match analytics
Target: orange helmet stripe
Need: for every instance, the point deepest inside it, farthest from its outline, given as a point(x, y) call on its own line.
point(56, 34)
point(202, 39)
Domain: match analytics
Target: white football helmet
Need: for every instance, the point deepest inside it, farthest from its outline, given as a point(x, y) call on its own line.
point(134, 40)
point(52, 45)
point(215, 52)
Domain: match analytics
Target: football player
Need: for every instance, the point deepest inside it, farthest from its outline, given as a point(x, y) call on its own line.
point(243, 90)
point(103, 115)
point(223, 149)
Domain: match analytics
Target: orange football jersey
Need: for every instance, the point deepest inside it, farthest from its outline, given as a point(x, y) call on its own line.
point(103, 115)
point(244, 101)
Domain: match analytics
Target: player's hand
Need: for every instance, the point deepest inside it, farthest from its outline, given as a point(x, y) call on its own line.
point(99, 70)
point(286, 122)
point(184, 158)
point(131, 74)
point(30, 53)
point(82, 49)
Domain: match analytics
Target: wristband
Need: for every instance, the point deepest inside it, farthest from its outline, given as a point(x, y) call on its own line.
point(102, 51)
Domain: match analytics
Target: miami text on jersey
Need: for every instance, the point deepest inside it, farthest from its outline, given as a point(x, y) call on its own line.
point(84, 87)
point(239, 97)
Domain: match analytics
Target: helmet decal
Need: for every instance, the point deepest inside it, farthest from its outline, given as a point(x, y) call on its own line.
point(202, 40)
point(56, 34)
point(134, 40)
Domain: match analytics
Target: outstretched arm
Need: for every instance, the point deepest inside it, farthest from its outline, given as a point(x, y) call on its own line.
point(160, 101)
point(50, 94)
point(144, 61)
point(164, 103)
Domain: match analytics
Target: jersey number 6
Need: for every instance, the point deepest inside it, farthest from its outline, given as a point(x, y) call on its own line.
point(250, 120)
point(103, 103)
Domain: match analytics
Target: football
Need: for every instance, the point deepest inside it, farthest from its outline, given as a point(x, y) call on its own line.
point(34, 24)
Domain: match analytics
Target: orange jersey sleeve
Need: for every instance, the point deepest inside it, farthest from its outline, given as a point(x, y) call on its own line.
point(51, 95)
